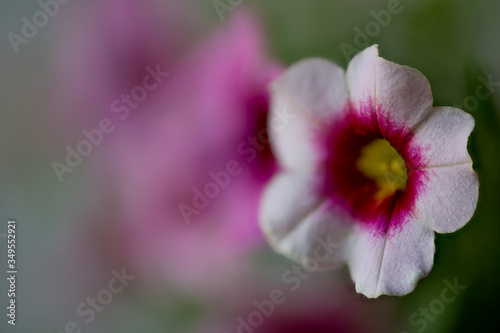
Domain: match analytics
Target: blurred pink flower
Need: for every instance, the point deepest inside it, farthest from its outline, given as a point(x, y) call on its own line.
point(104, 47)
point(308, 302)
point(202, 117)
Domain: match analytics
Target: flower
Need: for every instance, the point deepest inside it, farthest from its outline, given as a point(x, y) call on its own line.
point(215, 99)
point(314, 310)
point(372, 165)
point(103, 51)
point(301, 303)
point(194, 123)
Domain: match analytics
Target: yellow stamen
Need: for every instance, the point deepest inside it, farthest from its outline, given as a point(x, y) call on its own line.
point(381, 162)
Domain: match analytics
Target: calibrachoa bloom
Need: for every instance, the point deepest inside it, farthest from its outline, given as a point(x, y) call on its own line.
point(106, 48)
point(204, 117)
point(169, 146)
point(369, 163)
point(298, 301)
point(213, 104)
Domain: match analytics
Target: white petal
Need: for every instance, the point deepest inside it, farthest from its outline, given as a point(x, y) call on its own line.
point(401, 95)
point(441, 139)
point(315, 87)
point(298, 223)
point(304, 97)
point(449, 197)
point(391, 264)
point(292, 142)
point(361, 82)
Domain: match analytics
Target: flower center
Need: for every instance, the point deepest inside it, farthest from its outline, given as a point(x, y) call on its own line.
point(381, 162)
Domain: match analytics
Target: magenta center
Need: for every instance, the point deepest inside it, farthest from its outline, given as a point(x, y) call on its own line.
point(343, 142)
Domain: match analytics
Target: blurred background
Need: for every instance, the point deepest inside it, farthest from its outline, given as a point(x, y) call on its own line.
point(116, 114)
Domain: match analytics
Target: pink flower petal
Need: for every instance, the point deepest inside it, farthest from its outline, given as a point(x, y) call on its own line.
point(400, 95)
point(308, 222)
point(391, 265)
point(450, 127)
point(450, 197)
point(309, 93)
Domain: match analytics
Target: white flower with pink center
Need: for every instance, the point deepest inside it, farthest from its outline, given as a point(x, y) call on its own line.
point(370, 164)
